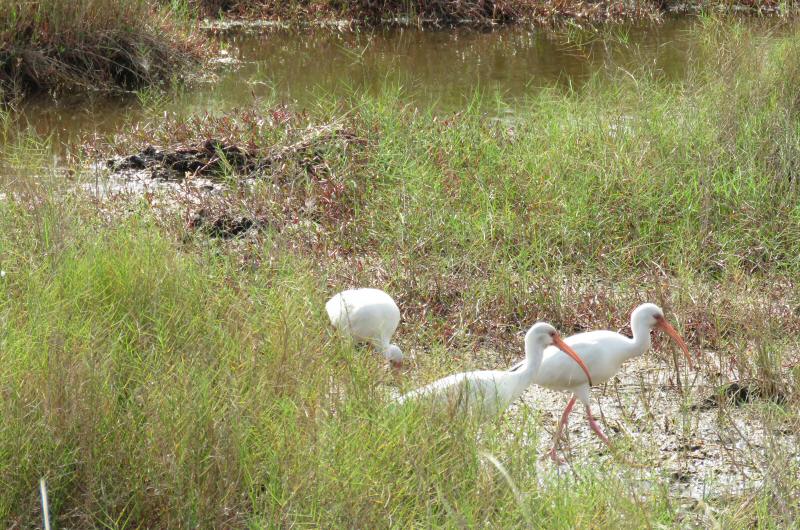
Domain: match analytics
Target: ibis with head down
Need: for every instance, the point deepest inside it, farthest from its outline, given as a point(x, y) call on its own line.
point(367, 315)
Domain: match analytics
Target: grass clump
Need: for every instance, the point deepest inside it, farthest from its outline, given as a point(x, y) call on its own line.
point(106, 45)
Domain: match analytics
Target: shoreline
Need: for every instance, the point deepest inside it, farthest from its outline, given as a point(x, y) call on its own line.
point(540, 14)
point(133, 48)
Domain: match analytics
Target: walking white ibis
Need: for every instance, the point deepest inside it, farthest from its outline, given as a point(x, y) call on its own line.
point(603, 352)
point(367, 315)
point(490, 392)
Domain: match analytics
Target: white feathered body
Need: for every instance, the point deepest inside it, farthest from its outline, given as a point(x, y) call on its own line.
point(367, 315)
point(602, 351)
point(485, 392)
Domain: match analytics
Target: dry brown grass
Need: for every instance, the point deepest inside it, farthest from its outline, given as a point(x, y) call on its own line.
point(105, 45)
point(430, 11)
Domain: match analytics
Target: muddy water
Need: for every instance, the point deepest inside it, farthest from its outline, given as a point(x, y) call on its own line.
point(442, 67)
point(446, 67)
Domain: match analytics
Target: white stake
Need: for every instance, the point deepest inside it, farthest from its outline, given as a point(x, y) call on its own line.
point(45, 513)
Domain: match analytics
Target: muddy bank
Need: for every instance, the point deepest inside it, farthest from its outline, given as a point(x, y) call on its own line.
point(226, 188)
point(425, 12)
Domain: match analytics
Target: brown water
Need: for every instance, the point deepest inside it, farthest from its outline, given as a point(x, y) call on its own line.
point(443, 68)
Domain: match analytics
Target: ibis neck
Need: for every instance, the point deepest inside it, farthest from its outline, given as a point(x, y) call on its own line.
point(641, 339)
point(533, 359)
point(382, 345)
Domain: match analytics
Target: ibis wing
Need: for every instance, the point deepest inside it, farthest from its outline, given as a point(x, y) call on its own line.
point(601, 351)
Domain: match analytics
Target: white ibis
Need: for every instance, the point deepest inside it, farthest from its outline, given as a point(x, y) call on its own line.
point(367, 315)
point(490, 392)
point(603, 352)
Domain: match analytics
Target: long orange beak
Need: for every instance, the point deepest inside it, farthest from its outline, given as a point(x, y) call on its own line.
point(558, 341)
point(669, 330)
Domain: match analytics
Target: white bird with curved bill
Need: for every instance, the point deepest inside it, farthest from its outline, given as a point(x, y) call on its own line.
point(603, 352)
point(367, 315)
point(490, 392)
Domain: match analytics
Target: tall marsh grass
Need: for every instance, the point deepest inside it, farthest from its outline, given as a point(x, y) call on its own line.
point(90, 45)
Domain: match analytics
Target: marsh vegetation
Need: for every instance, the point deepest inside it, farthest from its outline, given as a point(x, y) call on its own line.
point(162, 370)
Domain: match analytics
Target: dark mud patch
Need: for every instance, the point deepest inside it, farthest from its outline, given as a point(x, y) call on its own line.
point(224, 225)
point(220, 158)
point(213, 158)
point(739, 393)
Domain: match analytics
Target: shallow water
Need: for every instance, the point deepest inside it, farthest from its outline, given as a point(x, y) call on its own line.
point(444, 68)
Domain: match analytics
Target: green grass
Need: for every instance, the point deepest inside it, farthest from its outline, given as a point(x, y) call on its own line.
point(159, 378)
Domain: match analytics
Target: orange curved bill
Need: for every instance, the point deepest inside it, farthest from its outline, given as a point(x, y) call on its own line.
point(558, 341)
point(669, 330)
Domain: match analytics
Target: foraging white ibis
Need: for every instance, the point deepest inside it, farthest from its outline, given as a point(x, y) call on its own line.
point(603, 352)
point(490, 392)
point(367, 315)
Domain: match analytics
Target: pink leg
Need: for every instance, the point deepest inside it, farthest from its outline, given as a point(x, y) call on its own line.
point(596, 428)
point(561, 424)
